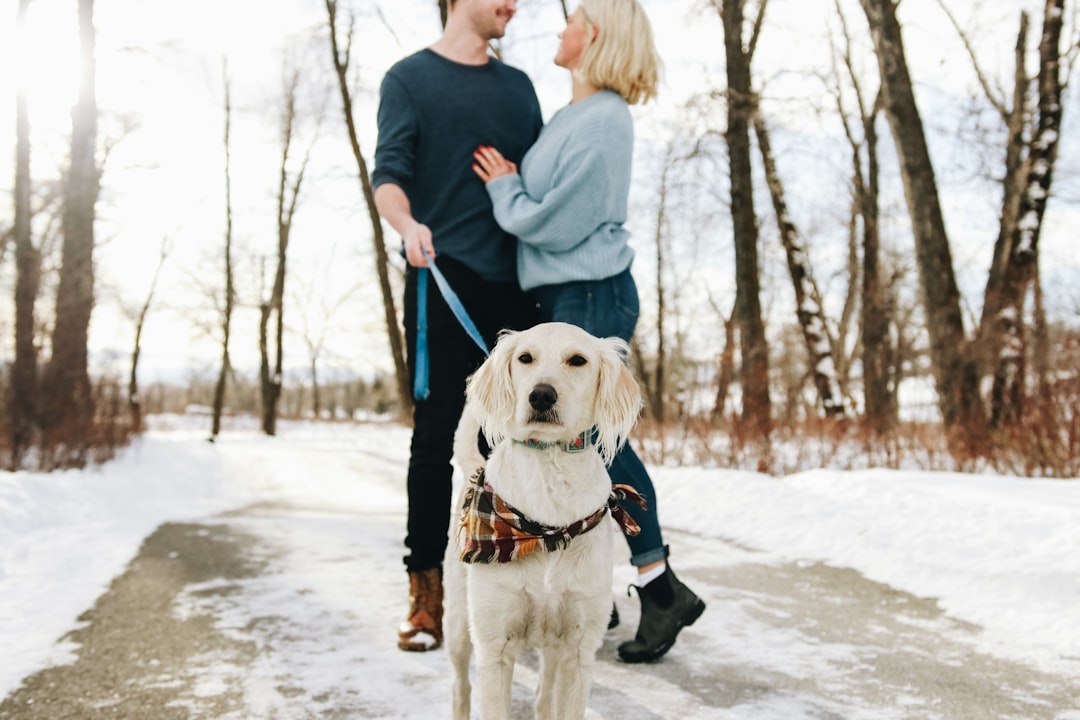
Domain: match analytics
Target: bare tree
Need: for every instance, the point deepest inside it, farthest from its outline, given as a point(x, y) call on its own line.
point(808, 306)
point(68, 396)
point(1030, 156)
point(24, 374)
point(879, 383)
point(382, 261)
point(317, 311)
point(955, 373)
point(655, 387)
point(288, 194)
point(726, 367)
point(741, 104)
point(134, 397)
point(230, 290)
point(999, 347)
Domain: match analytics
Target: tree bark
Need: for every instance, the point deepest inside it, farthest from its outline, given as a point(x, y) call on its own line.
point(288, 193)
point(227, 310)
point(726, 370)
point(24, 374)
point(756, 408)
point(1020, 273)
point(134, 398)
point(68, 398)
point(876, 312)
point(879, 382)
point(808, 305)
point(382, 261)
point(656, 391)
point(955, 373)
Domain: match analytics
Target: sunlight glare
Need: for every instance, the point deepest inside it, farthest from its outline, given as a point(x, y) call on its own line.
point(48, 63)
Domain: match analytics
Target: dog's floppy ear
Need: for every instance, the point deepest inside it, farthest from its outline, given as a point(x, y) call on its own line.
point(490, 392)
point(618, 398)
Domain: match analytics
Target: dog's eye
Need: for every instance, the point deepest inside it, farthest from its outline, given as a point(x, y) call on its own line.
point(577, 361)
point(525, 358)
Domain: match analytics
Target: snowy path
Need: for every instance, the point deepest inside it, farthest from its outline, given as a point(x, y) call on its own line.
point(274, 613)
point(288, 609)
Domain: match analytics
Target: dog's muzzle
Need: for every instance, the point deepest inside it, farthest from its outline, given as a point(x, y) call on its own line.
point(542, 400)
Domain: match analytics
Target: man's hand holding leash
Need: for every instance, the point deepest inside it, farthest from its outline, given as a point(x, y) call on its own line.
point(418, 245)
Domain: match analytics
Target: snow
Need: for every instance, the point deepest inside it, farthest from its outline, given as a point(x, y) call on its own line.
point(999, 552)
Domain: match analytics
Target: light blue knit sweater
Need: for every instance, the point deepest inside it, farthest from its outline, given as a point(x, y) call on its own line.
point(568, 205)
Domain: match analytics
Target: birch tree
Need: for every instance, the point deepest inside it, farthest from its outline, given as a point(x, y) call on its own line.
point(808, 305)
point(1030, 156)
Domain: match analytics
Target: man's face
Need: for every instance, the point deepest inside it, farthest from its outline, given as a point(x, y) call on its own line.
point(489, 17)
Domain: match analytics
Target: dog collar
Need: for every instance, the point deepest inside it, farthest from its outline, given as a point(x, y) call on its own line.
point(578, 444)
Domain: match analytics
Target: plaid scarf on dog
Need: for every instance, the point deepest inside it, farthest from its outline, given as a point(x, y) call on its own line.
point(494, 532)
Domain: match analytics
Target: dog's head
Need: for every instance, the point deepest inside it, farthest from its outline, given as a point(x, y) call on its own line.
point(553, 382)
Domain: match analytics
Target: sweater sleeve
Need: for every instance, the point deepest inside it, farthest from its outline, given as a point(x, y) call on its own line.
point(580, 199)
point(395, 149)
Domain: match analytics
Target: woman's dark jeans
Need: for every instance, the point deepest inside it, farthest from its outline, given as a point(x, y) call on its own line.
point(609, 308)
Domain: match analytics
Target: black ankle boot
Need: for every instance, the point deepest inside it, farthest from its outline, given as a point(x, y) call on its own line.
point(667, 606)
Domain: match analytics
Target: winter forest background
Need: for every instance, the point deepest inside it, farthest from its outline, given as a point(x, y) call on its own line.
point(854, 223)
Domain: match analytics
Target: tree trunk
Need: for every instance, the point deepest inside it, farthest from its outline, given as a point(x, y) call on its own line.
point(382, 261)
point(726, 372)
point(656, 394)
point(875, 310)
point(955, 373)
point(227, 310)
point(808, 306)
point(316, 401)
point(878, 379)
point(24, 374)
point(134, 399)
point(1012, 188)
point(754, 349)
point(1021, 269)
point(288, 195)
point(68, 397)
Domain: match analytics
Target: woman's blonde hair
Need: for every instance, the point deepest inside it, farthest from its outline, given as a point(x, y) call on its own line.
point(623, 56)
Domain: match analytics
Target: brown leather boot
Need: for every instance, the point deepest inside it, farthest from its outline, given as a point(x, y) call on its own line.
point(422, 630)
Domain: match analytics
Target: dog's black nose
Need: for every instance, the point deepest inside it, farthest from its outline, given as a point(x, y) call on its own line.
point(543, 397)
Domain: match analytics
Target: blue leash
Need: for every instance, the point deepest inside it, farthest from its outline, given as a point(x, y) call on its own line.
point(420, 382)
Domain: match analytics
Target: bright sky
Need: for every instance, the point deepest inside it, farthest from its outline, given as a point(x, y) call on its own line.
point(160, 70)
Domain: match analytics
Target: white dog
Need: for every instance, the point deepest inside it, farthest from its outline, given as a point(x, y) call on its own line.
point(554, 403)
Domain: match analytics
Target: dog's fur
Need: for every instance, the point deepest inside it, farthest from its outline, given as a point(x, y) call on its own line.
point(558, 602)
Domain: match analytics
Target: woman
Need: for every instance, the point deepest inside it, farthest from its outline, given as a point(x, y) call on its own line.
point(567, 208)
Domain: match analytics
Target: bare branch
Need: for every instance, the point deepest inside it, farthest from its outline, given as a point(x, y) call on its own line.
point(984, 82)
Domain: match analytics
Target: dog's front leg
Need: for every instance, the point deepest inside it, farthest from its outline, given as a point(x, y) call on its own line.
point(495, 678)
point(497, 621)
point(545, 690)
point(568, 694)
point(456, 631)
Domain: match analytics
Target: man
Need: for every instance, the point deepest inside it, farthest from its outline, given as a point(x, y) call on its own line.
point(436, 108)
